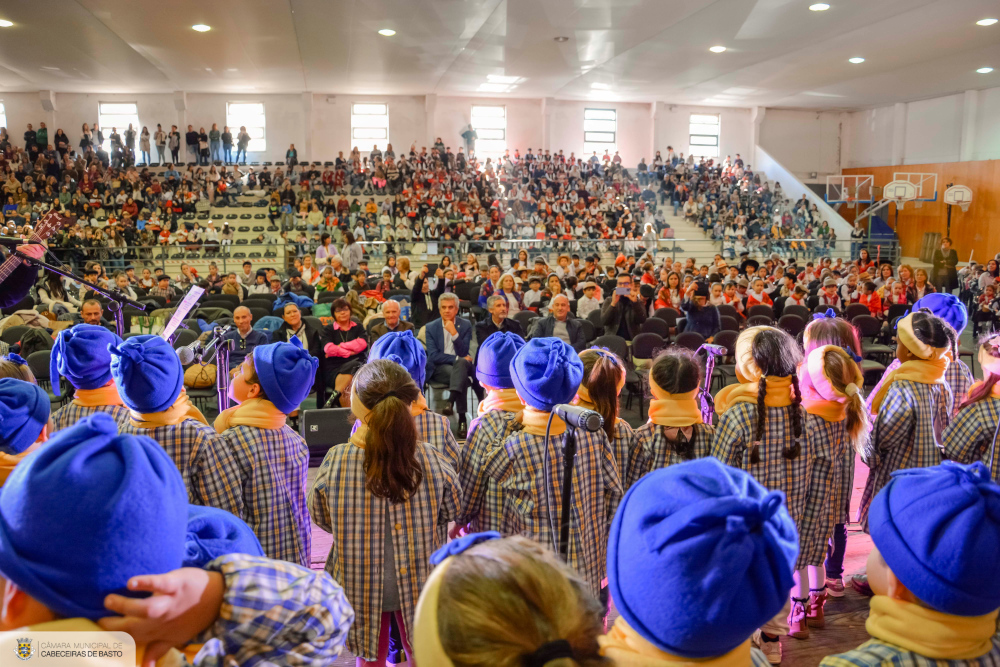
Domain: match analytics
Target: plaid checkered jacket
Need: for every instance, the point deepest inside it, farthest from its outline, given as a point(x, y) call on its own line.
point(532, 502)
point(622, 446)
point(733, 442)
point(829, 493)
point(877, 653)
point(970, 435)
point(208, 469)
point(907, 434)
point(275, 613)
point(435, 430)
point(70, 414)
point(483, 499)
point(272, 467)
point(342, 505)
point(653, 451)
point(959, 378)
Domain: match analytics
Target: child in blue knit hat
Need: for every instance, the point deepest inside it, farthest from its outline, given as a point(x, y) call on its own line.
point(933, 570)
point(721, 550)
point(499, 416)
point(973, 434)
point(272, 460)
point(94, 513)
point(432, 428)
point(24, 422)
point(150, 381)
point(527, 469)
point(81, 355)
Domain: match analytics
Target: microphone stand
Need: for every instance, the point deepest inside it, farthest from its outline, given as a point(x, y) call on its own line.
point(223, 346)
point(116, 297)
point(707, 400)
point(569, 456)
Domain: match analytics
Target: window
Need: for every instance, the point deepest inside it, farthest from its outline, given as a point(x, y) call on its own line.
point(704, 139)
point(369, 126)
point(490, 124)
point(251, 116)
point(3, 117)
point(600, 131)
point(117, 115)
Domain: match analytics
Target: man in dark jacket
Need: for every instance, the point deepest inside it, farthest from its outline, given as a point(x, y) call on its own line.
point(296, 285)
point(945, 260)
point(424, 300)
point(191, 139)
point(390, 311)
point(497, 321)
point(623, 313)
point(702, 317)
point(560, 325)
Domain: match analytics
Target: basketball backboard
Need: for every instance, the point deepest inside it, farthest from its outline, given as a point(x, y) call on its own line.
point(849, 189)
point(924, 182)
point(900, 192)
point(959, 195)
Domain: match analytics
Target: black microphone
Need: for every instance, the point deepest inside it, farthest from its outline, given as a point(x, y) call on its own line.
point(717, 350)
point(14, 241)
point(578, 417)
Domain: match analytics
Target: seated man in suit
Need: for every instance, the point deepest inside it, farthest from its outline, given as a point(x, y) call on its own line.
point(559, 324)
point(448, 358)
point(498, 320)
point(424, 300)
point(390, 311)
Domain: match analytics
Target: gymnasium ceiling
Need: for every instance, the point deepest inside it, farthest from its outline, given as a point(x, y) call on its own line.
point(779, 53)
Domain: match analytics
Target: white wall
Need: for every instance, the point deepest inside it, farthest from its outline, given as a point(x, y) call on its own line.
point(803, 141)
point(672, 128)
point(953, 128)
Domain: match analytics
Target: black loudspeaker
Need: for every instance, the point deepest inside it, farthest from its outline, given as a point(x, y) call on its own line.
point(323, 429)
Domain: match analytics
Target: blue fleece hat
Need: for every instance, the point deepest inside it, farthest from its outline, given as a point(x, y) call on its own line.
point(546, 372)
point(404, 345)
point(720, 548)
point(938, 530)
point(81, 355)
point(89, 510)
point(495, 355)
point(947, 307)
point(147, 372)
point(213, 532)
point(24, 412)
point(286, 372)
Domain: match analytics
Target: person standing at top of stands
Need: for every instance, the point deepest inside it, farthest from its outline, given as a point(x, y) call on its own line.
point(191, 140)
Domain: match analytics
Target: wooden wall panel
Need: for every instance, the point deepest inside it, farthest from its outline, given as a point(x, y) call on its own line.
point(976, 231)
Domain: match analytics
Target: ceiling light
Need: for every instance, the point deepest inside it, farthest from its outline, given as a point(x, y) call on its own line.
point(4, 23)
point(600, 86)
point(857, 60)
point(50, 69)
point(819, 7)
point(499, 78)
point(387, 32)
point(561, 39)
point(717, 49)
point(984, 70)
point(201, 27)
point(980, 22)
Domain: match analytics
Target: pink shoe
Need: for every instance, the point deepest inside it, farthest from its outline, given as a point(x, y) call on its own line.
point(798, 619)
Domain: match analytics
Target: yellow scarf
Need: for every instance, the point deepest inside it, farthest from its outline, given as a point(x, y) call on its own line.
point(173, 657)
point(995, 392)
point(777, 394)
point(830, 411)
point(535, 421)
point(673, 410)
point(930, 633)
point(924, 371)
point(252, 412)
point(626, 648)
point(505, 400)
point(182, 409)
point(95, 398)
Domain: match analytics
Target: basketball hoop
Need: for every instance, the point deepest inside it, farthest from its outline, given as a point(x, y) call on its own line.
point(959, 195)
point(850, 202)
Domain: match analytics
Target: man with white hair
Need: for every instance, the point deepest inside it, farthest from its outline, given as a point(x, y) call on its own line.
point(448, 358)
point(560, 325)
point(391, 312)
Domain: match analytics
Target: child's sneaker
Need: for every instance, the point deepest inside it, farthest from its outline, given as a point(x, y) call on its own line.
point(771, 650)
point(814, 612)
point(835, 587)
point(798, 624)
point(860, 584)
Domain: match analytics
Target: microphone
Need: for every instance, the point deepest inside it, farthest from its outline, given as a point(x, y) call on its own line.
point(14, 241)
point(717, 350)
point(578, 417)
point(187, 353)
